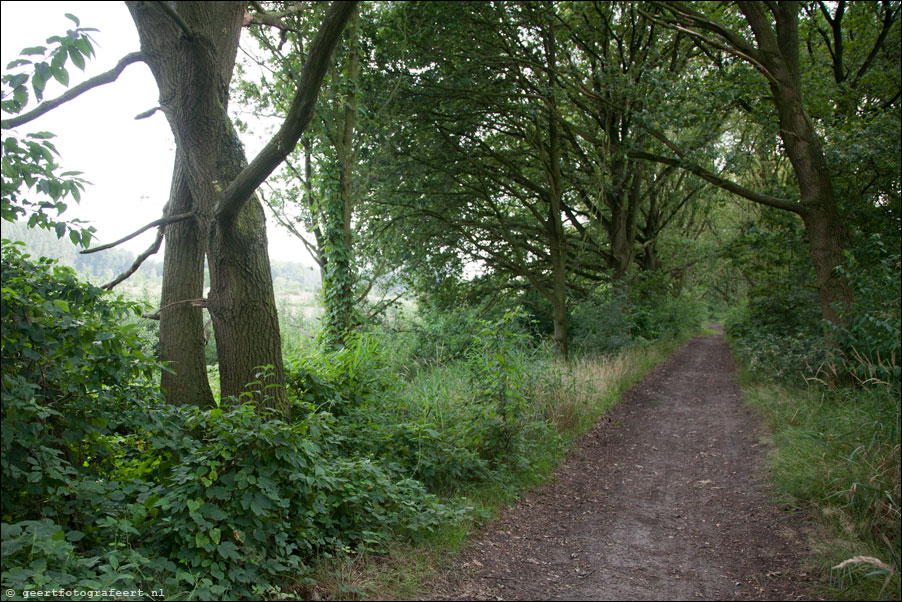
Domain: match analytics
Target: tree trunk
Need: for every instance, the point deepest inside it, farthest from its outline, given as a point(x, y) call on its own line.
point(193, 70)
point(555, 226)
point(826, 240)
point(826, 234)
point(338, 255)
point(181, 322)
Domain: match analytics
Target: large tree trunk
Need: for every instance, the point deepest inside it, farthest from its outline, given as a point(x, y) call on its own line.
point(193, 70)
point(826, 234)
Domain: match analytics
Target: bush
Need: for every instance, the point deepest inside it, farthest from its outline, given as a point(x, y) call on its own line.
point(613, 319)
point(107, 486)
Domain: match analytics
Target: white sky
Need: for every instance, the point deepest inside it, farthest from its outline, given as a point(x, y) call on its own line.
point(128, 162)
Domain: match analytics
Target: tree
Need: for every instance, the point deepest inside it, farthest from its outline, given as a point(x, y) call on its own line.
point(766, 36)
point(482, 159)
point(191, 52)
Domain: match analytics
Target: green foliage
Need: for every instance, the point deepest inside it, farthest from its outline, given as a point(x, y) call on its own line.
point(105, 485)
point(777, 330)
point(839, 451)
point(29, 160)
point(612, 319)
point(71, 355)
point(254, 499)
point(870, 338)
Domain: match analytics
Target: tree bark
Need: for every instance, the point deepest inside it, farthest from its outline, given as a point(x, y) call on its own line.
point(181, 323)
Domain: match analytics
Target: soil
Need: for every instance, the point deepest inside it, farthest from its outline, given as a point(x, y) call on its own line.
point(665, 499)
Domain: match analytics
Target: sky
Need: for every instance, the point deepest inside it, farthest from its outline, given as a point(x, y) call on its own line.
point(128, 162)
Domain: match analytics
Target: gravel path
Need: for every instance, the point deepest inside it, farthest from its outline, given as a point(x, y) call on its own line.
point(663, 500)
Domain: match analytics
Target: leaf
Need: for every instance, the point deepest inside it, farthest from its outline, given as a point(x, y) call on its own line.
point(61, 75)
point(73, 18)
point(33, 50)
point(76, 57)
point(84, 45)
point(228, 550)
point(20, 95)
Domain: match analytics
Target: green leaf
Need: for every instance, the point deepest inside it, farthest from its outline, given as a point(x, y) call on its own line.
point(76, 57)
point(201, 539)
point(84, 45)
point(73, 18)
point(228, 550)
point(20, 95)
point(61, 75)
point(33, 50)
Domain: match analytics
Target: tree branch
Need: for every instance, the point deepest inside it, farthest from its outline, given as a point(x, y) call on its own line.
point(242, 187)
point(757, 197)
point(157, 243)
point(176, 18)
point(194, 302)
point(261, 17)
point(163, 221)
point(890, 14)
point(74, 92)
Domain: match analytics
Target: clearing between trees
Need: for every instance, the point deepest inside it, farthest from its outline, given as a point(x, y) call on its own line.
point(663, 500)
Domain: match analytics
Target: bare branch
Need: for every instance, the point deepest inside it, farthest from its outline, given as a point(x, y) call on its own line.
point(147, 113)
point(157, 243)
point(163, 221)
point(194, 302)
point(98, 80)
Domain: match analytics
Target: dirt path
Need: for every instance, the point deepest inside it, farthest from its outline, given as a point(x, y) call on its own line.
point(663, 500)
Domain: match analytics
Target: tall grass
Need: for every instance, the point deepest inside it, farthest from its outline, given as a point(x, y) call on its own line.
point(838, 454)
point(572, 396)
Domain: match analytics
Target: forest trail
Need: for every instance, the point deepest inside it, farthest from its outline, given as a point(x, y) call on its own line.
point(663, 500)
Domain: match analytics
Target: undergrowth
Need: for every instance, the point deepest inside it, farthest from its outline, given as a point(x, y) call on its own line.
point(396, 439)
point(838, 455)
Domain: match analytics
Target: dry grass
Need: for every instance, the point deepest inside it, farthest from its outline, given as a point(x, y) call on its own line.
point(572, 396)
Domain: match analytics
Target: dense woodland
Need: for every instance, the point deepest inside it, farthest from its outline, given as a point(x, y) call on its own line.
point(503, 200)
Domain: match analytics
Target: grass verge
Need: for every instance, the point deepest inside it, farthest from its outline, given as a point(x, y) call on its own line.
point(571, 396)
point(837, 456)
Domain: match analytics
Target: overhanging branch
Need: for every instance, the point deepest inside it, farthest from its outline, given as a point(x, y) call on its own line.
point(299, 115)
point(98, 80)
point(730, 186)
